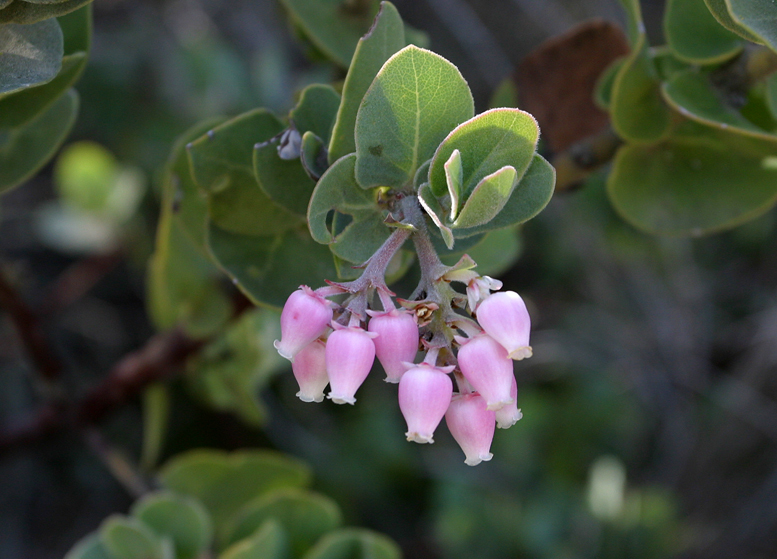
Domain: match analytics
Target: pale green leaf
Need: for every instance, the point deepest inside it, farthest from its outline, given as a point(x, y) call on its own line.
point(25, 12)
point(181, 518)
point(487, 199)
point(29, 54)
point(454, 177)
point(354, 543)
point(316, 110)
point(720, 12)
point(758, 17)
point(90, 547)
point(416, 99)
point(129, 538)
point(694, 35)
point(268, 542)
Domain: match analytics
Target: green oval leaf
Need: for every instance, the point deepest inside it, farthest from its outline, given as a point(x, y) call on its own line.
point(304, 515)
point(603, 90)
point(354, 543)
point(180, 518)
point(224, 483)
point(719, 11)
point(26, 12)
point(757, 16)
point(694, 35)
point(416, 99)
point(316, 110)
point(18, 108)
point(693, 183)
point(268, 542)
point(488, 142)
point(638, 112)
point(692, 95)
point(90, 547)
point(29, 54)
point(222, 165)
point(313, 156)
point(283, 180)
point(77, 30)
point(528, 198)
point(487, 199)
point(26, 149)
point(385, 37)
point(129, 538)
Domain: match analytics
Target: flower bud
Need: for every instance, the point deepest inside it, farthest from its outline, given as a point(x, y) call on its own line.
point(397, 341)
point(304, 318)
point(424, 396)
point(504, 317)
point(509, 414)
point(349, 357)
point(309, 367)
point(486, 366)
point(472, 425)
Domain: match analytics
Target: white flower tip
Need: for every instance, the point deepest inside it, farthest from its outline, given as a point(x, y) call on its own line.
point(418, 438)
point(392, 379)
point(475, 460)
point(309, 398)
point(496, 406)
point(341, 399)
point(523, 352)
point(281, 351)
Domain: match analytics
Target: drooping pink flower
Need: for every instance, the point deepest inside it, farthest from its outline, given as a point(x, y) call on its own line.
point(509, 414)
point(472, 425)
point(424, 396)
point(487, 368)
point(304, 318)
point(504, 317)
point(397, 340)
point(309, 367)
point(349, 357)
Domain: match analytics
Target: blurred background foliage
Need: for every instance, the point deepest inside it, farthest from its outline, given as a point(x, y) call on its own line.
point(649, 407)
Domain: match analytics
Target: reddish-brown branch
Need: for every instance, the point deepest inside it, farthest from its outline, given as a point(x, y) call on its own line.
point(30, 332)
point(162, 357)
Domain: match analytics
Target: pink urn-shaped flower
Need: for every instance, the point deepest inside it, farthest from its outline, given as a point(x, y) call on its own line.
point(472, 425)
point(304, 318)
point(397, 341)
point(488, 369)
point(309, 367)
point(509, 415)
point(424, 396)
point(349, 357)
point(504, 317)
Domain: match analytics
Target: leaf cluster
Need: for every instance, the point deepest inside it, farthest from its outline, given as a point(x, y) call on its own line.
point(244, 505)
point(699, 118)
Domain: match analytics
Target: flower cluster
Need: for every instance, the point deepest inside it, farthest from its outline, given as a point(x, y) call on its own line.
point(475, 337)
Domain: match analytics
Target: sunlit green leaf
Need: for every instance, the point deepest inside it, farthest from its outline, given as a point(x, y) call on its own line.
point(26, 149)
point(697, 181)
point(385, 37)
point(487, 143)
point(529, 197)
point(26, 12)
point(178, 517)
point(692, 95)
point(758, 17)
point(354, 543)
point(305, 517)
point(29, 54)
point(416, 99)
point(487, 199)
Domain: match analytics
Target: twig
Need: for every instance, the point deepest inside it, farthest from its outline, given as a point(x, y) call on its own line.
point(160, 358)
point(30, 332)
